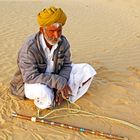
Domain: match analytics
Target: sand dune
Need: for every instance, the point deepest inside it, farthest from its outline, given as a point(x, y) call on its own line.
point(103, 33)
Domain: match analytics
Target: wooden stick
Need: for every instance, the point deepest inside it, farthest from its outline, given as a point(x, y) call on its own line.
point(79, 129)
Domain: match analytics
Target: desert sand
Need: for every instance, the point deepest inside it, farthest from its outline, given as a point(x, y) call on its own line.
point(103, 33)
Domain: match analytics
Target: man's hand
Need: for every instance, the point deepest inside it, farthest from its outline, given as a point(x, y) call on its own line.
point(58, 99)
point(63, 94)
point(66, 92)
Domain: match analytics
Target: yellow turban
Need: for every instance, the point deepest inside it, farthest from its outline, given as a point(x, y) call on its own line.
point(50, 16)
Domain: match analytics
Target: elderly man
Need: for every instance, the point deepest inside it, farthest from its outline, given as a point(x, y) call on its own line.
point(45, 71)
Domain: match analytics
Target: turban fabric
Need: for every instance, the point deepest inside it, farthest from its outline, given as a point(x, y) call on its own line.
point(50, 16)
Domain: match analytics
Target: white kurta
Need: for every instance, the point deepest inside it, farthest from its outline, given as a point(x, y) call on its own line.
point(48, 54)
point(43, 96)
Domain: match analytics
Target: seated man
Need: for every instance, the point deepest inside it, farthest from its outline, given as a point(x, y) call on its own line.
point(45, 71)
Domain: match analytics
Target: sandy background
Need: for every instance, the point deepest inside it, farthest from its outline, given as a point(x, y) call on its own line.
point(103, 33)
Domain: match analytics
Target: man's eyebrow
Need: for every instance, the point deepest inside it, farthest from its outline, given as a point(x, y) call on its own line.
point(54, 29)
point(51, 30)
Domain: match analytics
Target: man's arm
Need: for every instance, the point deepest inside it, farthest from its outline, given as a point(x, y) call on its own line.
point(65, 92)
point(66, 68)
point(31, 75)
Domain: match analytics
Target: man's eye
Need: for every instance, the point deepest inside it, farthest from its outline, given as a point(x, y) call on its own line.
point(50, 31)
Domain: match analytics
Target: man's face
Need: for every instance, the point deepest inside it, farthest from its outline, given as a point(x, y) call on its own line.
point(52, 34)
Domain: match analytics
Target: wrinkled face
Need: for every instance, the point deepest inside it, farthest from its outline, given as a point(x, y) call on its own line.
point(52, 33)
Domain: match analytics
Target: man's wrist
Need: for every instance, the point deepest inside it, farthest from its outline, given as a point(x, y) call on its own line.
point(62, 82)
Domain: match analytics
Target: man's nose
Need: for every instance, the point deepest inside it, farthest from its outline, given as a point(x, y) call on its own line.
point(56, 34)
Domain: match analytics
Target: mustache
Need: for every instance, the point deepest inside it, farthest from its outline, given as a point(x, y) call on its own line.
point(54, 39)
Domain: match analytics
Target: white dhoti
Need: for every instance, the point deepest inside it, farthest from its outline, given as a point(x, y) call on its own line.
point(43, 96)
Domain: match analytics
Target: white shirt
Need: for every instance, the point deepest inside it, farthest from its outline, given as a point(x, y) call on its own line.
point(48, 54)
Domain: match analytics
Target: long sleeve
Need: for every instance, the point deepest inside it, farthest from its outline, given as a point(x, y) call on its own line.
point(30, 73)
point(66, 67)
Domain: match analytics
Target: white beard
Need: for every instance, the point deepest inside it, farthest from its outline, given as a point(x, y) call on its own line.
point(52, 43)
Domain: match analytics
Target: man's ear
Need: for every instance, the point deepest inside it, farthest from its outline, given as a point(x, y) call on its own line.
point(41, 29)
